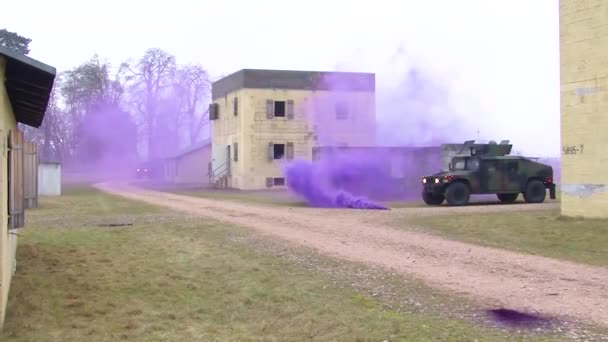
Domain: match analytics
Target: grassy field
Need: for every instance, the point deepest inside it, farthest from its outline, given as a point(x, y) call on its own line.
point(166, 277)
point(543, 233)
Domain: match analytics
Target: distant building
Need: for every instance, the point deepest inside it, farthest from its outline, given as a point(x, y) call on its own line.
point(584, 107)
point(49, 178)
point(261, 118)
point(25, 87)
point(190, 166)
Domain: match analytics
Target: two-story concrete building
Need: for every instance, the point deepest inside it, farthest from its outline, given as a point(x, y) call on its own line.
point(260, 118)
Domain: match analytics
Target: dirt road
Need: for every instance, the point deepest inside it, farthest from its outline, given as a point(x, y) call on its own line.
point(496, 277)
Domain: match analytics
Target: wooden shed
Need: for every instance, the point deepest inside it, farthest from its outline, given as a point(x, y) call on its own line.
point(25, 88)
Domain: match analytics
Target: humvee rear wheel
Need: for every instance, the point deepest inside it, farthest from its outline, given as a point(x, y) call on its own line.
point(457, 194)
point(507, 198)
point(535, 192)
point(432, 199)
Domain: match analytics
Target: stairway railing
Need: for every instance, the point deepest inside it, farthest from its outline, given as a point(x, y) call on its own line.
point(219, 174)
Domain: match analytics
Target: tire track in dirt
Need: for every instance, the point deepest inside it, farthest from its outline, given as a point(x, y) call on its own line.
point(495, 277)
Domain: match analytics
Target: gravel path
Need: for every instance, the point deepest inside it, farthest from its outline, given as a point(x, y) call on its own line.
point(496, 277)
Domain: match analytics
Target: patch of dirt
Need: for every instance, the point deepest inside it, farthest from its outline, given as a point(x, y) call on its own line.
point(498, 278)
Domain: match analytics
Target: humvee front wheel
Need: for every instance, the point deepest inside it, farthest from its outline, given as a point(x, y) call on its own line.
point(535, 192)
point(457, 194)
point(432, 199)
point(507, 198)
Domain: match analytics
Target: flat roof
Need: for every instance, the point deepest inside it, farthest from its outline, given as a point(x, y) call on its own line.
point(28, 85)
point(294, 80)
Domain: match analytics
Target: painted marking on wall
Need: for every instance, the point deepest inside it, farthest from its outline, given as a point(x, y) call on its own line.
point(587, 91)
point(583, 190)
point(573, 149)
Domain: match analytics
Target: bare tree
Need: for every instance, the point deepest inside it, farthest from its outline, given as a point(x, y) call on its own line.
point(193, 88)
point(151, 77)
point(167, 103)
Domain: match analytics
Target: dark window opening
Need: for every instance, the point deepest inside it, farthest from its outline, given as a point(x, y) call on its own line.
point(341, 111)
point(236, 106)
point(279, 108)
point(236, 151)
point(512, 167)
point(279, 181)
point(279, 151)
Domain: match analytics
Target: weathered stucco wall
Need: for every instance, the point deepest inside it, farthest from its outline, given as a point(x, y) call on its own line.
point(584, 101)
point(8, 242)
point(251, 131)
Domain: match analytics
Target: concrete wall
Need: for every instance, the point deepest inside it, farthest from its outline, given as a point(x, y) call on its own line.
point(314, 123)
point(8, 242)
point(49, 179)
point(584, 104)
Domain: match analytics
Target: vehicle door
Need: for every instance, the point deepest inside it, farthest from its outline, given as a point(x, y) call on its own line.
point(511, 179)
point(491, 179)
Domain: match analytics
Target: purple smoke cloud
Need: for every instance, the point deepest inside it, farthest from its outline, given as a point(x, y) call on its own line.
point(351, 178)
point(313, 184)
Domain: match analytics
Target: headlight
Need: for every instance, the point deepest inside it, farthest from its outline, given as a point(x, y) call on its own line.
point(436, 180)
point(424, 180)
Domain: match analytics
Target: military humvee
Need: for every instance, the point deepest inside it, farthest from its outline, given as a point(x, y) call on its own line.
point(489, 169)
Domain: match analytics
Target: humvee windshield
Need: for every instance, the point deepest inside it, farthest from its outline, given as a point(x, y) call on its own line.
point(464, 164)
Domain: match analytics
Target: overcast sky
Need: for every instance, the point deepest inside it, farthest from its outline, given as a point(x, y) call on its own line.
point(499, 58)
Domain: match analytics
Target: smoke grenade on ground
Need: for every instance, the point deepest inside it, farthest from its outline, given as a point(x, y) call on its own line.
point(313, 183)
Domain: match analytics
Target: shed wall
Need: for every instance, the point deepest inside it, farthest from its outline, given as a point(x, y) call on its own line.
point(8, 242)
point(192, 168)
point(49, 179)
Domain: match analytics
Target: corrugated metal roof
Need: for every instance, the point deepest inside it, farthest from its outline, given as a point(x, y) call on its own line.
point(28, 85)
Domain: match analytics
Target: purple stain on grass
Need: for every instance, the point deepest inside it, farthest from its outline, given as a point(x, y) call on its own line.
point(515, 318)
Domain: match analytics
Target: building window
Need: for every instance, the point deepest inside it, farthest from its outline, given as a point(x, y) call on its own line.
point(274, 181)
point(236, 106)
point(279, 109)
point(341, 111)
point(236, 151)
point(214, 111)
point(279, 151)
